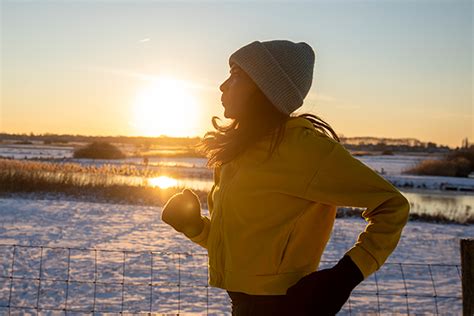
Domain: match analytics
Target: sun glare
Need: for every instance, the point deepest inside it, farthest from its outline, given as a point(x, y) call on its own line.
point(163, 182)
point(166, 107)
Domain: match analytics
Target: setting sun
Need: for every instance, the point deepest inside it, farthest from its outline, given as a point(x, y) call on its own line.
point(166, 107)
point(162, 182)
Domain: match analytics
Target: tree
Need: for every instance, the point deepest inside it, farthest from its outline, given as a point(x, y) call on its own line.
point(99, 150)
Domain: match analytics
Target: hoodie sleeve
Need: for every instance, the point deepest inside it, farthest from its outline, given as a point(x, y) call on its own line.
point(201, 238)
point(343, 180)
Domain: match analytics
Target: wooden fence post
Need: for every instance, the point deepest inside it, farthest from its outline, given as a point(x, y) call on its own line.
point(467, 268)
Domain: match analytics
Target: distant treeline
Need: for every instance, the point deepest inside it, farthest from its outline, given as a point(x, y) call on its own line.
point(134, 140)
point(354, 143)
point(388, 148)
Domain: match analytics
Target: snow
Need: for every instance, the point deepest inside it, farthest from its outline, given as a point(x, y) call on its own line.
point(431, 182)
point(393, 164)
point(425, 265)
point(389, 166)
point(19, 151)
point(139, 229)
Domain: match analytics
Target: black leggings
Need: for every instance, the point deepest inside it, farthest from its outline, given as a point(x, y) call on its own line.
point(275, 305)
point(247, 305)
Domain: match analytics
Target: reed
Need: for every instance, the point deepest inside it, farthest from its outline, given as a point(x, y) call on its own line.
point(108, 182)
point(459, 163)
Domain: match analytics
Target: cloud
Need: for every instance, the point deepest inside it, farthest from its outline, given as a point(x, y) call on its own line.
point(147, 77)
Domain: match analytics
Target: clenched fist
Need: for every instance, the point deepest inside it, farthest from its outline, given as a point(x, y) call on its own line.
point(183, 212)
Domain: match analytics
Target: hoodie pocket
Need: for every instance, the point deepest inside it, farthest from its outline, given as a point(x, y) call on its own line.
point(284, 251)
point(308, 239)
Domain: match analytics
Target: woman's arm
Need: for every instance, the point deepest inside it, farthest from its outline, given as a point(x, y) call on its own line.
point(201, 238)
point(343, 180)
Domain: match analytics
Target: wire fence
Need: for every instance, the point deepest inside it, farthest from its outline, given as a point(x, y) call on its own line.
point(83, 280)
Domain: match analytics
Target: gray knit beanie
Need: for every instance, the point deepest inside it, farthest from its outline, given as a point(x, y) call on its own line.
point(282, 69)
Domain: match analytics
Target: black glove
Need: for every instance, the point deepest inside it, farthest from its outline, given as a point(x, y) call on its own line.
point(324, 292)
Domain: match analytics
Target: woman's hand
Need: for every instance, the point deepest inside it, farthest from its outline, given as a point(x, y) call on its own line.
point(183, 212)
point(324, 292)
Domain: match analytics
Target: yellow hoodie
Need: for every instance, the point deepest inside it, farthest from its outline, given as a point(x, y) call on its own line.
point(270, 222)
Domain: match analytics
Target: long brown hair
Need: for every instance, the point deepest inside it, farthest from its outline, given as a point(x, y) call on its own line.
point(262, 119)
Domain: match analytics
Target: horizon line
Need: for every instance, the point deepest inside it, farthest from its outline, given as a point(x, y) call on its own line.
point(190, 137)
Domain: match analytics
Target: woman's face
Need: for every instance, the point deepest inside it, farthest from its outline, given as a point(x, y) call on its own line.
point(237, 91)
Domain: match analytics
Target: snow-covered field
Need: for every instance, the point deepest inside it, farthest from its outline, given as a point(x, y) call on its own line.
point(428, 195)
point(391, 165)
point(429, 253)
point(425, 266)
point(19, 151)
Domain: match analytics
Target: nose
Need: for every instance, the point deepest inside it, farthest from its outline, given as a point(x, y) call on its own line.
point(222, 86)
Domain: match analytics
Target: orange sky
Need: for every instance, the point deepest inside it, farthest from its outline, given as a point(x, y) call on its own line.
point(398, 69)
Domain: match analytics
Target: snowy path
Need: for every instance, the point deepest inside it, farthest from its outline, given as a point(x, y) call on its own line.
point(61, 223)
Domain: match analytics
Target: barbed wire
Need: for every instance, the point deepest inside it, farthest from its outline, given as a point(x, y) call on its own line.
point(90, 280)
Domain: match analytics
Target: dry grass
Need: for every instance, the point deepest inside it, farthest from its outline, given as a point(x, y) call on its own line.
point(450, 168)
point(27, 166)
point(456, 164)
point(12, 165)
point(440, 218)
point(106, 182)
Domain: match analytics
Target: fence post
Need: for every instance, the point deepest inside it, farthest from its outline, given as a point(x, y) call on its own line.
point(467, 268)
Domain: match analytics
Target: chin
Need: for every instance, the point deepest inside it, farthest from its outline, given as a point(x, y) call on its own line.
point(227, 115)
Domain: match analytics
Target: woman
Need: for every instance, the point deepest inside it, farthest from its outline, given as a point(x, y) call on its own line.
point(278, 179)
